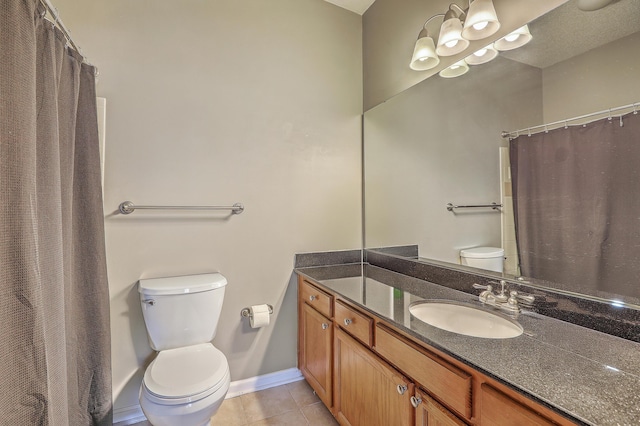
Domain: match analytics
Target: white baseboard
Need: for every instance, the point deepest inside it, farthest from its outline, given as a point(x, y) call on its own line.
point(133, 414)
point(266, 381)
point(128, 415)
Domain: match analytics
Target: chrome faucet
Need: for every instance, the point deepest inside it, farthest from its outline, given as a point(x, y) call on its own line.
point(501, 300)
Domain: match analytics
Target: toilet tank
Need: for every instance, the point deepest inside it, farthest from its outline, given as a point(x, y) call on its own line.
point(181, 311)
point(489, 258)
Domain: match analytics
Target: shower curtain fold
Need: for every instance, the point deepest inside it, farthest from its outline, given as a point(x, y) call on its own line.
point(55, 366)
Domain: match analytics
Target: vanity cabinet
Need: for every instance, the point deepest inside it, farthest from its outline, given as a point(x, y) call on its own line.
point(315, 340)
point(369, 373)
point(367, 390)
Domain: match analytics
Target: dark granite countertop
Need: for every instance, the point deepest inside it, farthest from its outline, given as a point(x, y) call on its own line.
point(592, 377)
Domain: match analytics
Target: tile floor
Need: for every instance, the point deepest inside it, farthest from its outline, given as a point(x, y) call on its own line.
point(293, 404)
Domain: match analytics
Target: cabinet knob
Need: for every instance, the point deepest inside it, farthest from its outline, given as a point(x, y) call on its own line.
point(325, 325)
point(347, 321)
point(312, 297)
point(402, 389)
point(415, 401)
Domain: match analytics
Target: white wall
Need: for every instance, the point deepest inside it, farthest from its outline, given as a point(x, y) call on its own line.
point(216, 102)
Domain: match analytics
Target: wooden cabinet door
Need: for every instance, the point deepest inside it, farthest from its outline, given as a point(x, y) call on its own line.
point(316, 351)
point(431, 413)
point(366, 389)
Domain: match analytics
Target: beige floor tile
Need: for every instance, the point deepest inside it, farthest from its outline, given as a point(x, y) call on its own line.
point(291, 418)
point(267, 403)
point(230, 413)
point(302, 393)
point(318, 415)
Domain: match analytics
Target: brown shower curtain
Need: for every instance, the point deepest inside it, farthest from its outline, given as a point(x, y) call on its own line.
point(55, 366)
point(576, 198)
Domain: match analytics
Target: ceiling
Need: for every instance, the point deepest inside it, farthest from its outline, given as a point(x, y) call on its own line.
point(357, 6)
point(568, 31)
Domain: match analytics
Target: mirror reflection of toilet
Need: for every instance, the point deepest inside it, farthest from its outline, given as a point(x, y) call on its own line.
point(189, 379)
point(489, 258)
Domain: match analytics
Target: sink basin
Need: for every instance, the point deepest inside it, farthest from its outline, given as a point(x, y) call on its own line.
point(465, 319)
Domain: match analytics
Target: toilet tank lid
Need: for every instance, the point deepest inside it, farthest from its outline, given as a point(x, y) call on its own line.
point(482, 252)
point(182, 285)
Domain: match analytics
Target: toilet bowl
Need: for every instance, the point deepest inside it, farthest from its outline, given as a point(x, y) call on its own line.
point(189, 379)
point(185, 386)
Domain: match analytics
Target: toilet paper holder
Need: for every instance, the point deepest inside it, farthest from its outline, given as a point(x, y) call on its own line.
point(246, 312)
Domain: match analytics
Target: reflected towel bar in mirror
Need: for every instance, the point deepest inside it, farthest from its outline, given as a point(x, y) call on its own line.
point(128, 207)
point(494, 206)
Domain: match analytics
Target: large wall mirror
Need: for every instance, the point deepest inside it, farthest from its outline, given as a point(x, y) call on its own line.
point(440, 141)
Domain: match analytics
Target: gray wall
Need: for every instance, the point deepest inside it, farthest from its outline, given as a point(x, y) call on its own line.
point(390, 30)
point(438, 143)
point(216, 102)
point(599, 79)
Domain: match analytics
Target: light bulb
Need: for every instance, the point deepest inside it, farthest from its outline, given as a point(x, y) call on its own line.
point(512, 37)
point(451, 43)
point(480, 25)
point(480, 52)
point(424, 58)
point(454, 67)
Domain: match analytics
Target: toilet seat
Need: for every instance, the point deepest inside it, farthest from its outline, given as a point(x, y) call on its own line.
point(184, 375)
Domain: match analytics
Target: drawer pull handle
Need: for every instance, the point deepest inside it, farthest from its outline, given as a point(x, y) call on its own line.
point(312, 297)
point(347, 321)
point(415, 401)
point(402, 389)
point(325, 325)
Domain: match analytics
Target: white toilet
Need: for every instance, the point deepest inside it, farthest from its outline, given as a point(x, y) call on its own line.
point(489, 258)
point(187, 382)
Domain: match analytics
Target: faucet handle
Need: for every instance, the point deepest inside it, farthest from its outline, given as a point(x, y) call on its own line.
point(527, 298)
point(486, 293)
point(524, 297)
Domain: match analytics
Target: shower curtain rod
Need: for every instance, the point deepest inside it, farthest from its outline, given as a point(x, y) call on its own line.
point(58, 22)
point(550, 126)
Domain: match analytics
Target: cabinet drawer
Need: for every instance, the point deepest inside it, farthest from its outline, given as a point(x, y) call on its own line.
point(315, 297)
point(447, 383)
point(499, 409)
point(354, 323)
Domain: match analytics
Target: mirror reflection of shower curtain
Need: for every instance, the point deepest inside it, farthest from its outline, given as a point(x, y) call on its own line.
point(55, 366)
point(576, 198)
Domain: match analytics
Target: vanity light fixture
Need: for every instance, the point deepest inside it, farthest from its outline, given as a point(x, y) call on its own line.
point(455, 70)
point(481, 21)
point(482, 56)
point(450, 41)
point(515, 39)
point(424, 53)
point(459, 26)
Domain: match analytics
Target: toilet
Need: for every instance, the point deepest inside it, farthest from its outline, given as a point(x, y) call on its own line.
point(489, 258)
point(189, 379)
